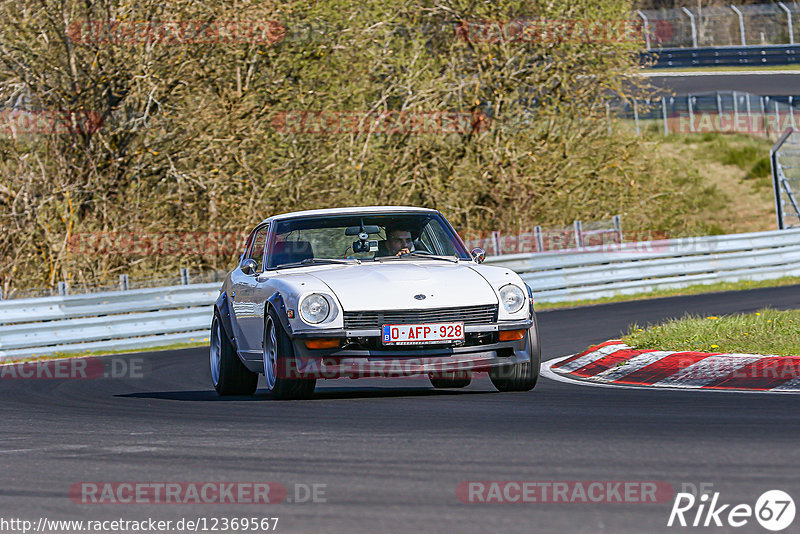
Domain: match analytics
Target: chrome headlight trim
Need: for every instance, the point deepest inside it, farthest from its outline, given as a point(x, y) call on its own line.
point(512, 298)
point(314, 308)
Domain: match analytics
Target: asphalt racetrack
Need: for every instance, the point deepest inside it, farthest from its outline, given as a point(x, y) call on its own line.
point(388, 455)
point(757, 83)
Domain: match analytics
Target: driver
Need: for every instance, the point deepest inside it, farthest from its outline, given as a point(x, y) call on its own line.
point(398, 241)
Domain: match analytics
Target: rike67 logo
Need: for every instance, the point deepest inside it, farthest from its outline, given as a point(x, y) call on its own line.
point(774, 510)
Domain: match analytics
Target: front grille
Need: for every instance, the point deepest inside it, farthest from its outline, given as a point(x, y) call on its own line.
point(469, 315)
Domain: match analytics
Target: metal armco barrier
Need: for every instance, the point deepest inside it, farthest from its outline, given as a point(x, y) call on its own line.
point(723, 56)
point(122, 320)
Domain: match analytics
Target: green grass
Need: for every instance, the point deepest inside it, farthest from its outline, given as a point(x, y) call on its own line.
point(60, 355)
point(659, 293)
point(764, 332)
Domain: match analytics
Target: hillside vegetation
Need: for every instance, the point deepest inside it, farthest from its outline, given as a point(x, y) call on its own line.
point(197, 136)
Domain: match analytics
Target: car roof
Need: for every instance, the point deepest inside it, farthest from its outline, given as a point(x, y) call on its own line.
point(349, 211)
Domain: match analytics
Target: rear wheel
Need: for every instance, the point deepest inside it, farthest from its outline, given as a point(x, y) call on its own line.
point(450, 379)
point(228, 374)
point(520, 376)
point(279, 363)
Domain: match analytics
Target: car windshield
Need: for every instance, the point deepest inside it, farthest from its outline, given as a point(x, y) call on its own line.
point(364, 237)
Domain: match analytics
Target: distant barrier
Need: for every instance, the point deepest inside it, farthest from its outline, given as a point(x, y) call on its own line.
point(155, 317)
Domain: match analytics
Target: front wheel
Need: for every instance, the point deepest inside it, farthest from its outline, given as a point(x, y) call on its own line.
point(279, 363)
point(228, 374)
point(520, 376)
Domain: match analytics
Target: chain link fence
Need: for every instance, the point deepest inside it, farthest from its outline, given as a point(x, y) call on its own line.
point(734, 25)
point(785, 161)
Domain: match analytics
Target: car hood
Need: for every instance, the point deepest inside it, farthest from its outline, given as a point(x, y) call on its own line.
point(396, 285)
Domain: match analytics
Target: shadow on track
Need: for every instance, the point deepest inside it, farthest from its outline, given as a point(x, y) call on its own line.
point(330, 393)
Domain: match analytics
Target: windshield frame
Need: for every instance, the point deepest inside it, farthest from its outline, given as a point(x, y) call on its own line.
point(462, 253)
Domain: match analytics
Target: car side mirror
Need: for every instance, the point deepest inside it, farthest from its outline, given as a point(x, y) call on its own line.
point(478, 254)
point(249, 266)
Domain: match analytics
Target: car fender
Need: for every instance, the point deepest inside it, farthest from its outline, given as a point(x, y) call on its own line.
point(275, 301)
point(224, 310)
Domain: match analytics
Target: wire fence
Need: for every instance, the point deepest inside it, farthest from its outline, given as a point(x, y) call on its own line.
point(717, 112)
point(785, 161)
point(734, 25)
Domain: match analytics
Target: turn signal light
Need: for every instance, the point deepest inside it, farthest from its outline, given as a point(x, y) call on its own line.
point(323, 343)
point(511, 335)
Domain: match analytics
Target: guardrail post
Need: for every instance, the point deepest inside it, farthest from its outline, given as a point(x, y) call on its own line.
point(618, 227)
point(537, 234)
point(647, 28)
point(694, 26)
point(63, 290)
point(741, 23)
point(664, 114)
point(184, 276)
point(578, 234)
point(789, 19)
point(123, 282)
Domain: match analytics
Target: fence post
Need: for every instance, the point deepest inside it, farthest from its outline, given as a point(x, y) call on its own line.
point(184, 276)
point(777, 117)
point(496, 242)
point(791, 112)
point(735, 112)
point(123, 282)
point(636, 116)
point(741, 23)
point(63, 290)
point(789, 19)
point(691, 112)
point(694, 27)
point(618, 227)
point(664, 114)
point(578, 234)
point(647, 28)
point(764, 116)
point(749, 113)
point(537, 234)
point(608, 118)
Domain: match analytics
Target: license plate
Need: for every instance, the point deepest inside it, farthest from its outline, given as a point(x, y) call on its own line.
point(420, 334)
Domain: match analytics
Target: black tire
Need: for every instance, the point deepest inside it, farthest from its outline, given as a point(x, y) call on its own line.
point(450, 380)
point(228, 374)
point(520, 376)
point(284, 387)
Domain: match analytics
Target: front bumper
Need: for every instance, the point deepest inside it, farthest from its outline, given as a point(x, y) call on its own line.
point(395, 362)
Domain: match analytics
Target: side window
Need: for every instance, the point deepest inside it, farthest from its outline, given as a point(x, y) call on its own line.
point(257, 248)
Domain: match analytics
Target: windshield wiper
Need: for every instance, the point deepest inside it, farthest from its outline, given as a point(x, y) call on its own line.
point(319, 261)
point(422, 255)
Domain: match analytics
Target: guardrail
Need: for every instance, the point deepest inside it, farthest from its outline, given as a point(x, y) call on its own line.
point(127, 320)
point(722, 56)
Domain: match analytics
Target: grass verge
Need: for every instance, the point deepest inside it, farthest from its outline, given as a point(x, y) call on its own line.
point(764, 332)
point(698, 289)
point(86, 354)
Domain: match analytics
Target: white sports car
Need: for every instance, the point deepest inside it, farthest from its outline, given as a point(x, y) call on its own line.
point(372, 291)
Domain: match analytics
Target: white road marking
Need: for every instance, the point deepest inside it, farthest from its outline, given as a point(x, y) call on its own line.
point(719, 73)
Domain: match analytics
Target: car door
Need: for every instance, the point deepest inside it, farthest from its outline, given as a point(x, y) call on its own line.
point(246, 300)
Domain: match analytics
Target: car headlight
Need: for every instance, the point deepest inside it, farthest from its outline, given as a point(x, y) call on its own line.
point(314, 308)
point(512, 297)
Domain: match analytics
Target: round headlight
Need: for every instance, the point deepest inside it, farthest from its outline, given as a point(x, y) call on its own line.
point(512, 298)
point(314, 309)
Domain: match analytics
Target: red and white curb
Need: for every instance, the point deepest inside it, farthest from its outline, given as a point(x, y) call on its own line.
point(615, 364)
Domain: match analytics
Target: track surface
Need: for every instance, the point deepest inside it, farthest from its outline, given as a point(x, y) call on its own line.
point(758, 84)
point(393, 452)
